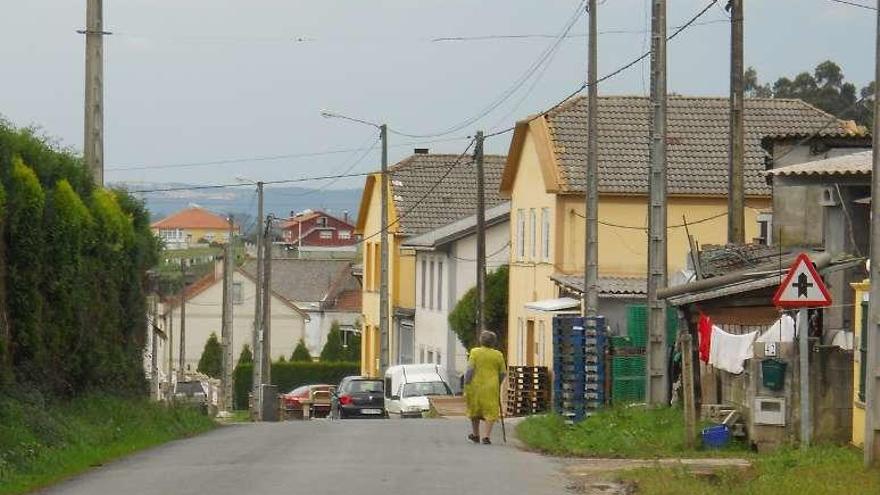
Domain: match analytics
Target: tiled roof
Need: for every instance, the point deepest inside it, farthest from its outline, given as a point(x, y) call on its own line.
point(853, 164)
point(192, 218)
point(453, 199)
point(308, 280)
point(697, 141)
point(608, 286)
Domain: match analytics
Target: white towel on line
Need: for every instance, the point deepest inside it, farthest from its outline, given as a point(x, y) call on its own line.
point(728, 352)
point(781, 331)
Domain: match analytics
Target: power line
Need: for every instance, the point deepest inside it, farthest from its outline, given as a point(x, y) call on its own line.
point(493, 37)
point(337, 179)
point(245, 184)
point(854, 4)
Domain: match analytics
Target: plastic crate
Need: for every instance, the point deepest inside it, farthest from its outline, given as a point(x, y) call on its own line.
point(627, 366)
point(716, 437)
point(628, 390)
point(620, 342)
point(637, 324)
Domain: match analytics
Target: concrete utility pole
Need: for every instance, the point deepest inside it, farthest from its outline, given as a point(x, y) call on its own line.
point(266, 344)
point(736, 233)
point(384, 333)
point(226, 333)
point(481, 237)
point(872, 332)
point(591, 213)
point(170, 344)
point(182, 363)
point(803, 335)
point(93, 143)
point(656, 389)
point(257, 338)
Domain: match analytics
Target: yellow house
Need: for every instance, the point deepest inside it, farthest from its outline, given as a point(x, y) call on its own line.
point(860, 348)
point(426, 191)
point(545, 181)
point(191, 226)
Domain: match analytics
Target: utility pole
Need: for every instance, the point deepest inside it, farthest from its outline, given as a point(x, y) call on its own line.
point(384, 333)
point(266, 345)
point(226, 333)
point(182, 363)
point(481, 237)
point(257, 338)
point(736, 233)
point(591, 244)
point(170, 320)
point(872, 332)
point(656, 342)
point(93, 143)
point(687, 381)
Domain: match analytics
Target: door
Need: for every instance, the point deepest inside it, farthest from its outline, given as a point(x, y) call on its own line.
point(406, 341)
point(530, 343)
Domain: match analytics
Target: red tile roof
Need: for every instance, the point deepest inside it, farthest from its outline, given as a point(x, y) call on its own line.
point(192, 218)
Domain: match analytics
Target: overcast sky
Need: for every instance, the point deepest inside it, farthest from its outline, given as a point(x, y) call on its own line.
point(207, 80)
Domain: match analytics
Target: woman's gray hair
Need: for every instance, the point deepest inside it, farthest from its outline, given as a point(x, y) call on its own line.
point(488, 339)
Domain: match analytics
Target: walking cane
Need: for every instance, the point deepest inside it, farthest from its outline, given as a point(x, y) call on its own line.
point(503, 429)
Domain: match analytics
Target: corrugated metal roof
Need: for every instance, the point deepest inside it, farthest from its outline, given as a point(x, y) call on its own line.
point(853, 164)
point(608, 286)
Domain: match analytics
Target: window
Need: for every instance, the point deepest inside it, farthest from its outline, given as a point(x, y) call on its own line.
point(344, 234)
point(430, 356)
point(421, 354)
point(431, 287)
point(322, 222)
point(326, 234)
point(439, 358)
point(533, 231)
point(520, 234)
point(424, 281)
point(765, 229)
point(237, 293)
point(439, 286)
point(545, 233)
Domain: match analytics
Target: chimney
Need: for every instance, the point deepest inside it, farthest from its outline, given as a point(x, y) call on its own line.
point(421, 151)
point(292, 213)
point(345, 216)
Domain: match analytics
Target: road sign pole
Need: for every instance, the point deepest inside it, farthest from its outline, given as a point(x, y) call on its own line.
point(803, 333)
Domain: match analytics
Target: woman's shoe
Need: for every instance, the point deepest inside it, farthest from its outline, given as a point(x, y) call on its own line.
point(474, 438)
point(486, 441)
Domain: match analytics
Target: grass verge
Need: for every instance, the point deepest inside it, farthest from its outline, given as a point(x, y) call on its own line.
point(635, 432)
point(42, 443)
point(818, 470)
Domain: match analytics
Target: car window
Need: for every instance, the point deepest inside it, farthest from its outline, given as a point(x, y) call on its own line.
point(425, 388)
point(370, 386)
point(300, 391)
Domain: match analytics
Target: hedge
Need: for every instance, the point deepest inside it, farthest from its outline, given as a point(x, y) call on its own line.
point(287, 376)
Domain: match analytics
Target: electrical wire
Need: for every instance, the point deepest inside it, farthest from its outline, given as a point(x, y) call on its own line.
point(494, 253)
point(854, 4)
point(668, 227)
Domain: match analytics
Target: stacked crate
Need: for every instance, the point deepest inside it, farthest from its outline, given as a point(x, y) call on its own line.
point(578, 365)
point(528, 390)
point(628, 378)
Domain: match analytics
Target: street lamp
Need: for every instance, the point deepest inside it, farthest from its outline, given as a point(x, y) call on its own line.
point(385, 336)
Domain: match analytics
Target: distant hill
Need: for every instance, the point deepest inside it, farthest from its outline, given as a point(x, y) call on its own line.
point(242, 201)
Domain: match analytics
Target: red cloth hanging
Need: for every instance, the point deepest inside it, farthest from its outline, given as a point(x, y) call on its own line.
point(705, 332)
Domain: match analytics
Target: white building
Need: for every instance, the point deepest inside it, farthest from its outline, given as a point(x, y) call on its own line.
point(446, 269)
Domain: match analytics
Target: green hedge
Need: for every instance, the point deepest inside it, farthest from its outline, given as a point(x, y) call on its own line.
point(290, 375)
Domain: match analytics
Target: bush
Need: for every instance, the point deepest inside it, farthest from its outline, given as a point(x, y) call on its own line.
point(463, 318)
point(246, 356)
point(290, 375)
point(211, 362)
point(301, 353)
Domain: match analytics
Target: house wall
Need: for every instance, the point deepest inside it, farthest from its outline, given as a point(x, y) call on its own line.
point(203, 316)
point(313, 237)
point(318, 327)
point(194, 236)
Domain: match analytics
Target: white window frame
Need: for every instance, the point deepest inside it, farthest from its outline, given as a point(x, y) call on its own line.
point(533, 233)
point(326, 234)
point(440, 286)
point(545, 233)
point(520, 234)
point(431, 285)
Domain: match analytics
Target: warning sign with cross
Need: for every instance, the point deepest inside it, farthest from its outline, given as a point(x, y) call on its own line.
point(802, 286)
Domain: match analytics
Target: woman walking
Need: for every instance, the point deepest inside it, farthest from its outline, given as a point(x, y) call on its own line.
point(486, 371)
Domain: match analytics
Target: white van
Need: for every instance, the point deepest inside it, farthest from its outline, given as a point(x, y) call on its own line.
point(407, 387)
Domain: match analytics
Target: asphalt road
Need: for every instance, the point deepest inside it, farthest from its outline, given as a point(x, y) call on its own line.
point(369, 457)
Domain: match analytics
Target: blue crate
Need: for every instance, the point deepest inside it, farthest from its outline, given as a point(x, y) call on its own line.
point(716, 437)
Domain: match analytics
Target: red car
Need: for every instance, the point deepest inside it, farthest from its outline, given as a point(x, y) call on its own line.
point(315, 397)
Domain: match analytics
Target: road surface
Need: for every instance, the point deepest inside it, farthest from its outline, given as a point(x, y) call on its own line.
point(368, 457)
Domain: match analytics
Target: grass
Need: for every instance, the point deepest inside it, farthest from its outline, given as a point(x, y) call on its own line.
point(818, 470)
point(42, 443)
point(636, 432)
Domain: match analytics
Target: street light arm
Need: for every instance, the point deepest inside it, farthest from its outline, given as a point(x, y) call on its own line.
point(327, 114)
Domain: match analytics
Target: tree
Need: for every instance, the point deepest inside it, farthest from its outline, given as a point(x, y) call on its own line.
point(463, 318)
point(246, 356)
point(211, 362)
point(301, 352)
point(826, 88)
point(334, 350)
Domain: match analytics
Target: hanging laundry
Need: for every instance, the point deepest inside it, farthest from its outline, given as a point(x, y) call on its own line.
point(729, 351)
point(781, 331)
point(704, 329)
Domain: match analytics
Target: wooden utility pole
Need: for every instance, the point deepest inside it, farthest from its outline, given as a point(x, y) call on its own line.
point(591, 255)
point(656, 387)
point(736, 233)
point(481, 238)
point(872, 332)
point(182, 363)
point(258, 308)
point(384, 330)
point(266, 345)
point(93, 143)
point(687, 388)
point(226, 333)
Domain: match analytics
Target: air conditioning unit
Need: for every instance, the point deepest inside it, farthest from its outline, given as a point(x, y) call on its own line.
point(829, 197)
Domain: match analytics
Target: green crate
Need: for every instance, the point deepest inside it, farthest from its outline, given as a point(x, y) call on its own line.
point(627, 366)
point(628, 390)
point(620, 342)
point(637, 324)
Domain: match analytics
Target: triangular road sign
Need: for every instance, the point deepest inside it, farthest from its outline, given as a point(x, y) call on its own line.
point(802, 287)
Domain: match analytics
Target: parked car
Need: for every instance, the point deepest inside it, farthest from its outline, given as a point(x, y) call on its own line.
point(191, 393)
point(357, 396)
point(314, 397)
point(408, 386)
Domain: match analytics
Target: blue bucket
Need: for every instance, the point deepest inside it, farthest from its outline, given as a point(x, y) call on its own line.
point(716, 437)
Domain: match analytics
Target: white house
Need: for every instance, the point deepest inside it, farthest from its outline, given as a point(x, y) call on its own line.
point(446, 269)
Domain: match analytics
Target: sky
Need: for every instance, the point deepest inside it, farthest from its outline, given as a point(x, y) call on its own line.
point(244, 82)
